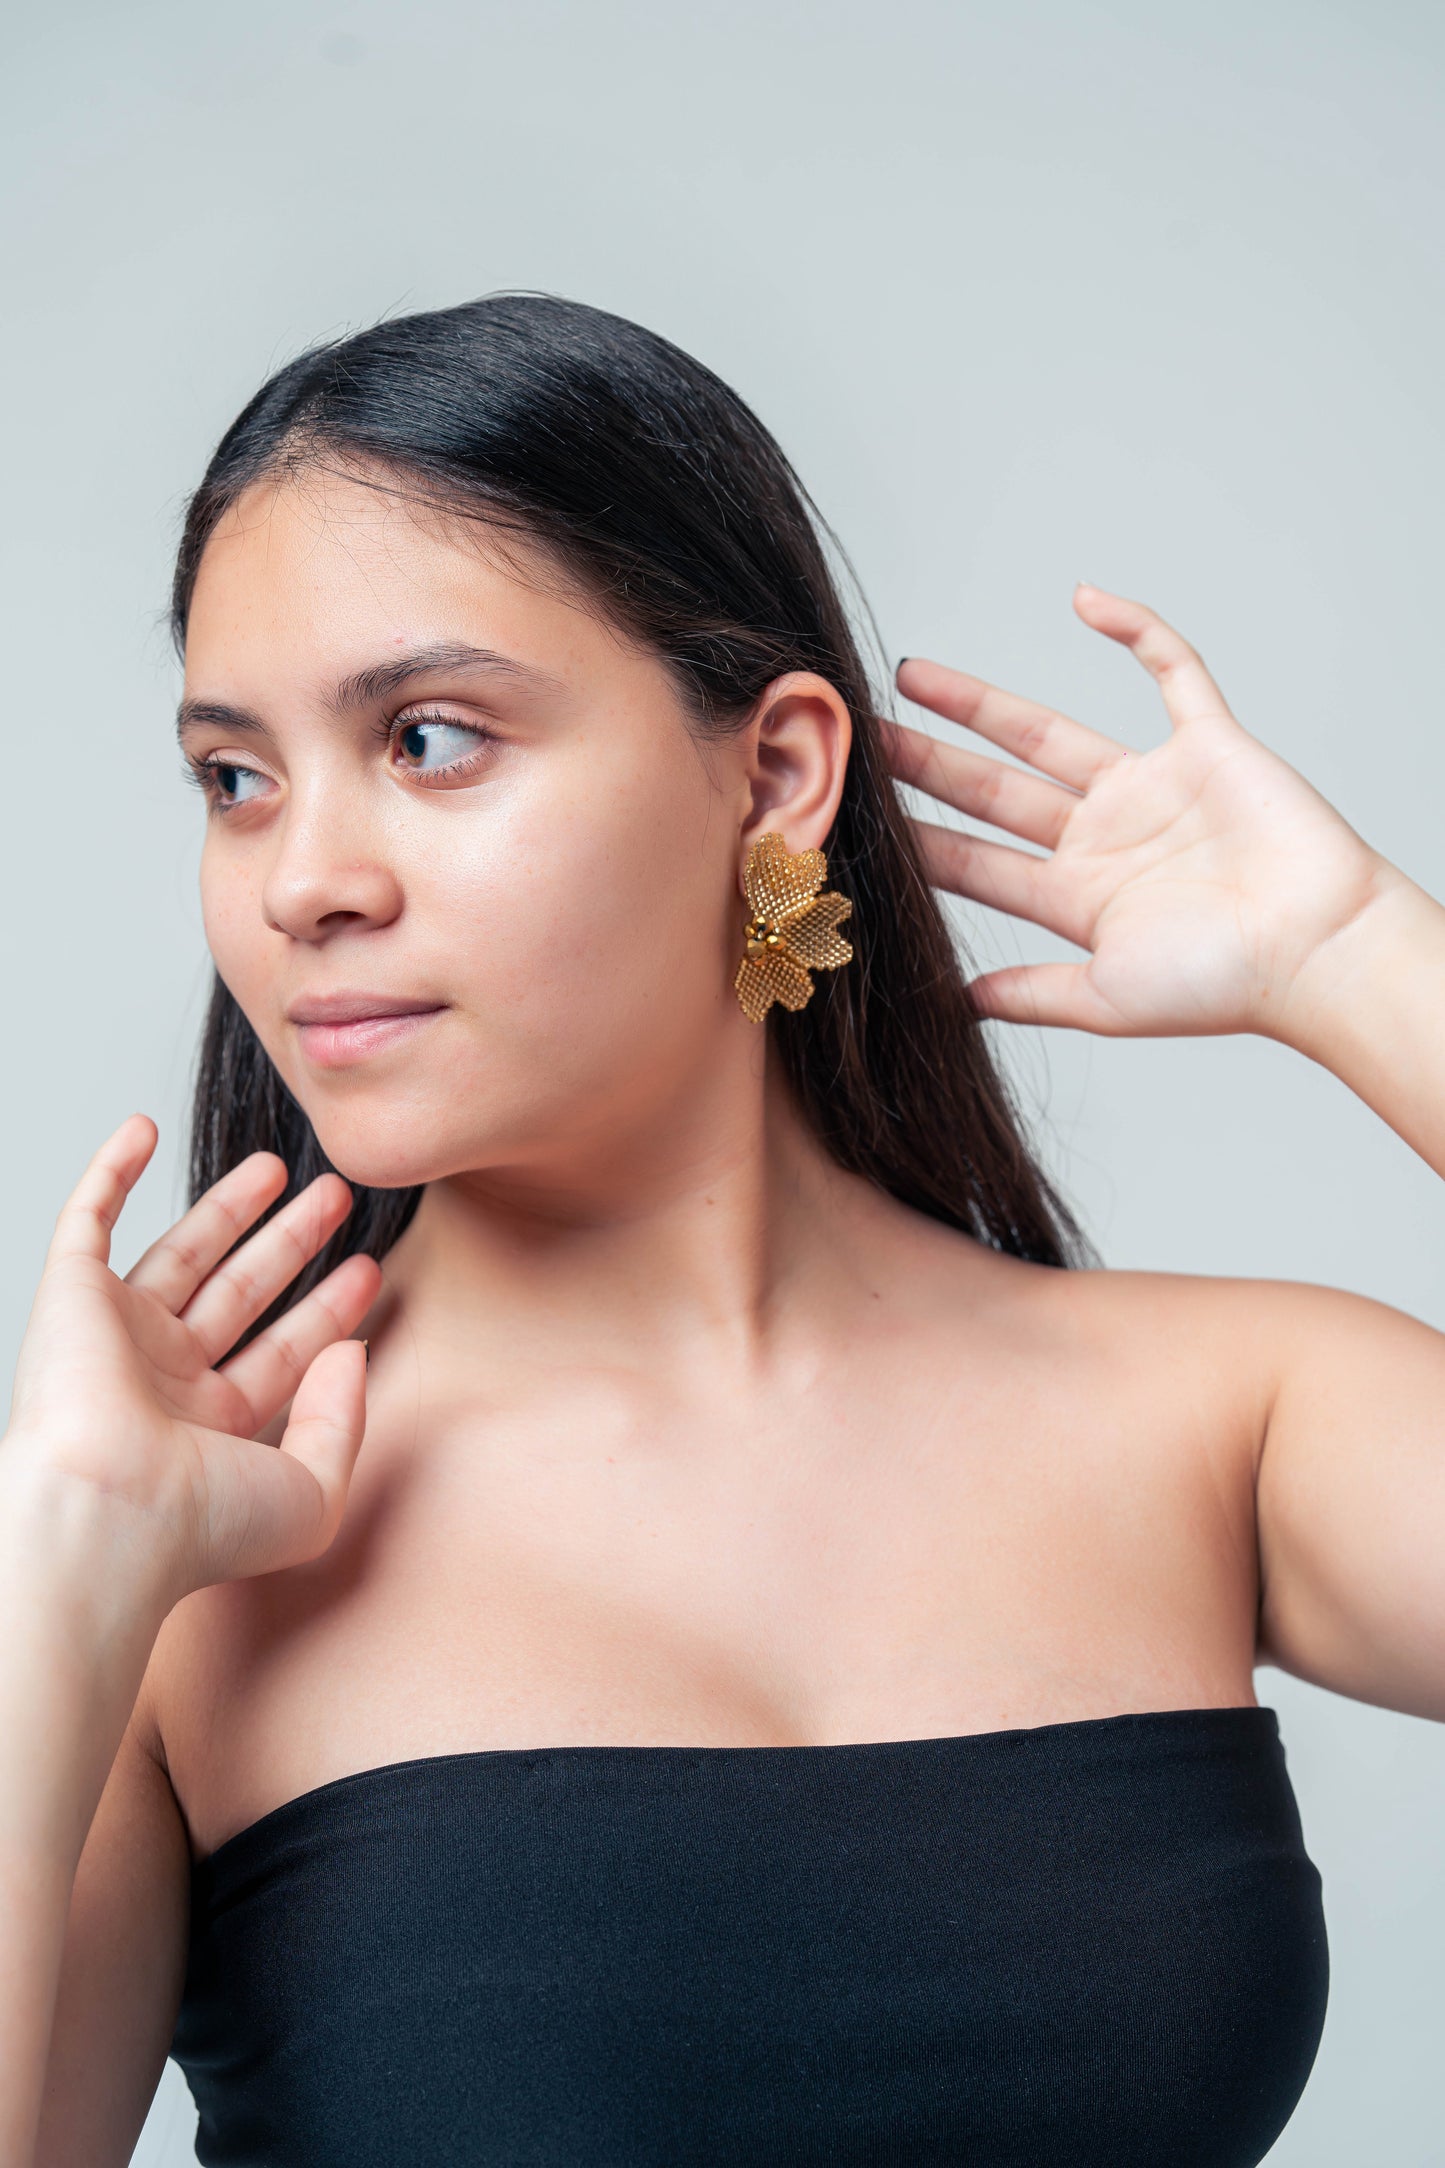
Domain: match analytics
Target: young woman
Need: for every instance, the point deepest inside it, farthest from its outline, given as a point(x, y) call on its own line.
point(776, 1682)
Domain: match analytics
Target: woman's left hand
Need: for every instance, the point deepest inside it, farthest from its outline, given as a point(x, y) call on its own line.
point(1204, 876)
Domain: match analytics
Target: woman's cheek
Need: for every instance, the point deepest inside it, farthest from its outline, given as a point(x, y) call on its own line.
point(550, 948)
point(249, 958)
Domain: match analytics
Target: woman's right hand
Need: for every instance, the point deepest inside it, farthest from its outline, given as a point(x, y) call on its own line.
point(122, 1384)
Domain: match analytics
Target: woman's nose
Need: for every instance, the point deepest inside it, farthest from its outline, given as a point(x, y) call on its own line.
point(328, 874)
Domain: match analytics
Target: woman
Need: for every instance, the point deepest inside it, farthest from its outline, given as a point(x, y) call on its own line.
point(776, 1684)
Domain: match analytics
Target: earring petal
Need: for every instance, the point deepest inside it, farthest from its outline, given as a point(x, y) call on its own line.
point(813, 935)
point(780, 882)
point(762, 980)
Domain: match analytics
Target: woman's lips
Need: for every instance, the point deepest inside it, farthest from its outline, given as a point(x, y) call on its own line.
point(352, 1039)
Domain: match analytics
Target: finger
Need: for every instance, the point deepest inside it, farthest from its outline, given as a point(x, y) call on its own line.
point(1054, 744)
point(268, 1372)
point(174, 1267)
point(991, 873)
point(1057, 994)
point(987, 790)
point(247, 1282)
point(276, 1507)
point(328, 1419)
point(162, 1340)
point(87, 1219)
point(1189, 691)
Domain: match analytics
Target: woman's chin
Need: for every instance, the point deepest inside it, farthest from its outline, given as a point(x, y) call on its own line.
point(366, 1171)
point(376, 1161)
point(407, 1152)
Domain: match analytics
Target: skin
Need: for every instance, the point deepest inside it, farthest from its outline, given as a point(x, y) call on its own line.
point(673, 1432)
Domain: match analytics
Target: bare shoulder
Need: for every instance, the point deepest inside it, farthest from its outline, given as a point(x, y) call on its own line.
point(1226, 1333)
point(1236, 1326)
point(1166, 1376)
point(1244, 1364)
point(1277, 1340)
point(1323, 1411)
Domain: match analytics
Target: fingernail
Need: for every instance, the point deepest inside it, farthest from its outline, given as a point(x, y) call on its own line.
point(900, 662)
point(366, 1344)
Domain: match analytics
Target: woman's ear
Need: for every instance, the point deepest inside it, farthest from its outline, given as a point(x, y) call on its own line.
point(795, 755)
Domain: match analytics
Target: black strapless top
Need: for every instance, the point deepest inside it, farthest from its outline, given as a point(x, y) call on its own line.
point(1082, 1945)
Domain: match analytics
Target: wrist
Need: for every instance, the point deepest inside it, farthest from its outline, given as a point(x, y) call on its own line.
point(1367, 976)
point(88, 1554)
point(1369, 1012)
point(82, 1599)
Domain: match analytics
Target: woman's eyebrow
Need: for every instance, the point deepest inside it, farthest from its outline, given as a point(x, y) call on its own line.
point(374, 683)
point(193, 714)
point(381, 678)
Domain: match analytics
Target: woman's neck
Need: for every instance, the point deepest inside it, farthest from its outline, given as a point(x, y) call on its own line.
point(687, 1233)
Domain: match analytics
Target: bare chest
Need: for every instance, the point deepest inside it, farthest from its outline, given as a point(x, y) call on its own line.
point(881, 1553)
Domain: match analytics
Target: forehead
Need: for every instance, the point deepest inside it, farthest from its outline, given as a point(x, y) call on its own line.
point(303, 567)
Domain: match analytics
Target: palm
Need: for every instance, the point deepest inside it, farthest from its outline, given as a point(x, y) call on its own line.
point(1200, 876)
point(124, 1378)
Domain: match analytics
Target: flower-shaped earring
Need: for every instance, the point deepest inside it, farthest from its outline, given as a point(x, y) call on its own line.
point(793, 931)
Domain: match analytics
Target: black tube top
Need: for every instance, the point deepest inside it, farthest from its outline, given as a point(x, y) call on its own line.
point(1084, 1945)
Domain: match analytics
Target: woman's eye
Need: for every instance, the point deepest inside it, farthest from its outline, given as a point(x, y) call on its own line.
point(430, 747)
point(234, 785)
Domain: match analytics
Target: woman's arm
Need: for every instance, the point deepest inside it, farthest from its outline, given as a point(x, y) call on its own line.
point(129, 1476)
point(1216, 891)
point(1351, 1485)
point(1370, 1006)
point(80, 1605)
point(81, 1601)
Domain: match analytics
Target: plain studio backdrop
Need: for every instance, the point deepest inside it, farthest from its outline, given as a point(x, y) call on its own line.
point(1144, 295)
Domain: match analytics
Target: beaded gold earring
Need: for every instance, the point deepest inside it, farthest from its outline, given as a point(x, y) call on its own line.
point(793, 930)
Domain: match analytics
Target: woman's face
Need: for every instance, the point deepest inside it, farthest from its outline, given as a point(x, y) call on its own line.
point(467, 872)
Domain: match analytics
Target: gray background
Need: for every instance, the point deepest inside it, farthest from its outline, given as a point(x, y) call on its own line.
point(1147, 295)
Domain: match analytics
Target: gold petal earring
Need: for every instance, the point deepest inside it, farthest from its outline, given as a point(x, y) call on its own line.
point(793, 930)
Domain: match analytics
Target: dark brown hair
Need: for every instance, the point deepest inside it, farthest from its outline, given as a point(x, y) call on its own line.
point(660, 493)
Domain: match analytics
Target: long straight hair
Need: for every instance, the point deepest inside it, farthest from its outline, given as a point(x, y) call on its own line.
point(657, 491)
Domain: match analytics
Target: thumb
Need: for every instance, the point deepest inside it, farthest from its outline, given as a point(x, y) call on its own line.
point(328, 1418)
